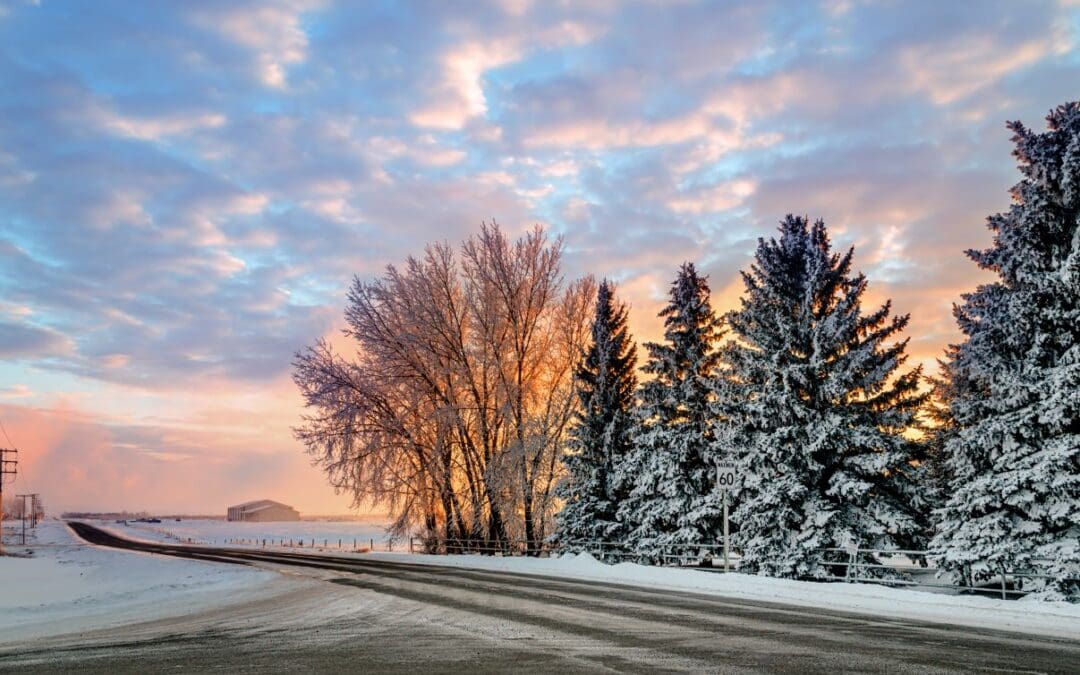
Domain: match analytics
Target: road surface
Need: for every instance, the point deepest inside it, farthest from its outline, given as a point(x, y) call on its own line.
point(356, 615)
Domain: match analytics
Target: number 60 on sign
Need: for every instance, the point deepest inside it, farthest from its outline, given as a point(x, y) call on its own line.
point(726, 475)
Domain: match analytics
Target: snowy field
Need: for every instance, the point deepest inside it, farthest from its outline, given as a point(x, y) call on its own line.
point(1025, 615)
point(66, 586)
point(325, 534)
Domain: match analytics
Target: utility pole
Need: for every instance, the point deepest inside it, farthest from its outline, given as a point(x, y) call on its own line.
point(35, 509)
point(33, 496)
point(9, 463)
point(22, 515)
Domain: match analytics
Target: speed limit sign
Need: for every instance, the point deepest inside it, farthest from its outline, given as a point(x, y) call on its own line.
point(726, 475)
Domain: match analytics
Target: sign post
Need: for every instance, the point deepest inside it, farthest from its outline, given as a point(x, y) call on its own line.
point(726, 475)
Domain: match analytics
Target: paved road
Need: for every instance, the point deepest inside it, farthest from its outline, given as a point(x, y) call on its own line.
point(375, 616)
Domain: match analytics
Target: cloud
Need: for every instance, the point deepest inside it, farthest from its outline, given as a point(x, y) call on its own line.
point(714, 198)
point(948, 73)
point(458, 94)
point(424, 150)
point(271, 32)
point(16, 391)
point(157, 128)
point(21, 340)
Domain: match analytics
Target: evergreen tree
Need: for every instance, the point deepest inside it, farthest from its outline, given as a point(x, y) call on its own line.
point(672, 502)
point(816, 411)
point(1014, 450)
point(936, 473)
point(601, 436)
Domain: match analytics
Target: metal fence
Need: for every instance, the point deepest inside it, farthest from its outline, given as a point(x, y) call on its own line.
point(918, 569)
point(898, 568)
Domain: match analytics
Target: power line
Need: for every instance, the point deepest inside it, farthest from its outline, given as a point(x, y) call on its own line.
point(5, 434)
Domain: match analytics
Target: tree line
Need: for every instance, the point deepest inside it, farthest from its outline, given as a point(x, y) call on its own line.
point(489, 399)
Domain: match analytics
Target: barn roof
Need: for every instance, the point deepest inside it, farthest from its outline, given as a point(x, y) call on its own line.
point(259, 504)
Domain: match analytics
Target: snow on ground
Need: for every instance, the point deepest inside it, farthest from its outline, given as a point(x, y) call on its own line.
point(1028, 616)
point(65, 585)
point(325, 534)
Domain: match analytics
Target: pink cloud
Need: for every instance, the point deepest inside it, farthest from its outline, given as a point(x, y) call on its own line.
point(953, 71)
point(458, 96)
point(272, 33)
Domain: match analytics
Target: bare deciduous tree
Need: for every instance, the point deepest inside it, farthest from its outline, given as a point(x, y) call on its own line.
point(454, 410)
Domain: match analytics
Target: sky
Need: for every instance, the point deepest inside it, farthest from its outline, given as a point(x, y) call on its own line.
point(187, 189)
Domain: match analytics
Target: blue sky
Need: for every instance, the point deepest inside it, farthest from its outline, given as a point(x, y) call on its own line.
point(186, 188)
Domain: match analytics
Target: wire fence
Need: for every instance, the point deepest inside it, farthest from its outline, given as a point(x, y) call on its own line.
point(344, 544)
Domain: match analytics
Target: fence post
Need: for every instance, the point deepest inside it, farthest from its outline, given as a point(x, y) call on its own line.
point(410, 544)
point(1004, 594)
point(372, 546)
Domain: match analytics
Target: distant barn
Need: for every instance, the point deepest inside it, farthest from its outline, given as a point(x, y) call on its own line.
point(263, 511)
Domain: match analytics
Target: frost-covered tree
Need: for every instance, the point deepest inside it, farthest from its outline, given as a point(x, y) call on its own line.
point(600, 438)
point(937, 476)
point(672, 502)
point(816, 410)
point(453, 411)
point(1013, 456)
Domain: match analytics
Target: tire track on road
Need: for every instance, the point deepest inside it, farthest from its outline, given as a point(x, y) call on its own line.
point(659, 624)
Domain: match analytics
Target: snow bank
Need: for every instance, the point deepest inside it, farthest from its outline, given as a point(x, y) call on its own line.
point(68, 586)
point(1026, 616)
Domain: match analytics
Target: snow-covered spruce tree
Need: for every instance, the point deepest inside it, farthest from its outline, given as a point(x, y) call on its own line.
point(600, 438)
point(1014, 453)
point(937, 476)
point(816, 411)
point(672, 473)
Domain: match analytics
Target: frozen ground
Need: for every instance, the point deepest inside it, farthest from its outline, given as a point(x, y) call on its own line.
point(66, 586)
point(1027, 615)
